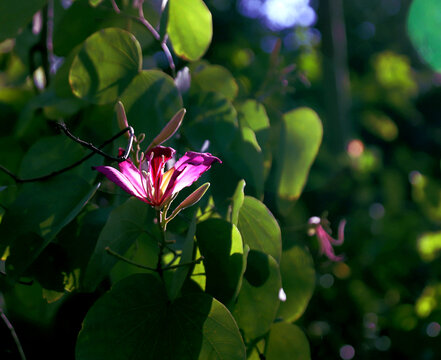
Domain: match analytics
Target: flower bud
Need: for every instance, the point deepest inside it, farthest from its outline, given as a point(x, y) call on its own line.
point(122, 118)
point(169, 130)
point(191, 199)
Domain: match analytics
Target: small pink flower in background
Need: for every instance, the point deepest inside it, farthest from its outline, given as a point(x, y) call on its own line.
point(150, 183)
point(326, 241)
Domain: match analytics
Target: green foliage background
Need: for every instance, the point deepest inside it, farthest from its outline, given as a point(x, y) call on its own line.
point(287, 131)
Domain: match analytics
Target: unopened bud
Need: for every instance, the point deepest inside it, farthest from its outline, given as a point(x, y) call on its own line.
point(191, 199)
point(169, 130)
point(122, 118)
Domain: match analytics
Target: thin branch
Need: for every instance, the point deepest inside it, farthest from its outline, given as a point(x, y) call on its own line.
point(157, 37)
point(13, 334)
point(168, 55)
point(197, 261)
point(145, 22)
point(115, 7)
point(95, 150)
point(62, 126)
point(128, 261)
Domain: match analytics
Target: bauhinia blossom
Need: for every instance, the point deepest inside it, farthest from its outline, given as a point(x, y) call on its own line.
point(151, 183)
point(326, 241)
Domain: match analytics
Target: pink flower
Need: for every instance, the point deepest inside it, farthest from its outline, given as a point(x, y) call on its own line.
point(326, 241)
point(150, 183)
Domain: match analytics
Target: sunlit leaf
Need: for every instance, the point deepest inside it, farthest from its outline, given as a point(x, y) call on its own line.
point(287, 342)
point(259, 229)
point(299, 141)
point(237, 202)
point(107, 62)
point(190, 28)
point(214, 78)
point(253, 115)
point(135, 320)
point(221, 246)
point(298, 282)
point(258, 300)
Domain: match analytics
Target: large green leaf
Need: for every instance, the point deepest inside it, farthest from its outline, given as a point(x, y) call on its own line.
point(38, 214)
point(135, 320)
point(253, 114)
point(126, 223)
point(423, 24)
point(210, 117)
point(299, 142)
point(221, 246)
point(298, 281)
point(287, 342)
point(150, 101)
point(214, 78)
point(181, 273)
point(246, 158)
point(53, 153)
point(16, 14)
point(190, 28)
point(78, 241)
point(259, 229)
point(72, 28)
point(107, 62)
point(82, 19)
point(237, 202)
point(258, 300)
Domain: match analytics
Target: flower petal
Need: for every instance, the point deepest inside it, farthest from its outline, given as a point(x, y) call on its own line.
point(188, 169)
point(133, 175)
point(121, 180)
point(161, 154)
point(326, 246)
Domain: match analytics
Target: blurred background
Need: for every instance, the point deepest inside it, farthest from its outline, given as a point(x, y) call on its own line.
point(353, 62)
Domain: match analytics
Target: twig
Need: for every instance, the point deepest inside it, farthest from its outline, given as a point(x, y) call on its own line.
point(85, 144)
point(90, 146)
point(115, 7)
point(197, 261)
point(128, 261)
point(157, 37)
point(13, 334)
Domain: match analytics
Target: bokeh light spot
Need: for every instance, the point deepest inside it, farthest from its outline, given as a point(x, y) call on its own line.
point(326, 281)
point(355, 148)
point(347, 352)
point(382, 343)
point(433, 329)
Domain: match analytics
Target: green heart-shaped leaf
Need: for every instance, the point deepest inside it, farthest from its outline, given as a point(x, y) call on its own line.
point(259, 229)
point(189, 27)
point(135, 320)
point(299, 142)
point(107, 62)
